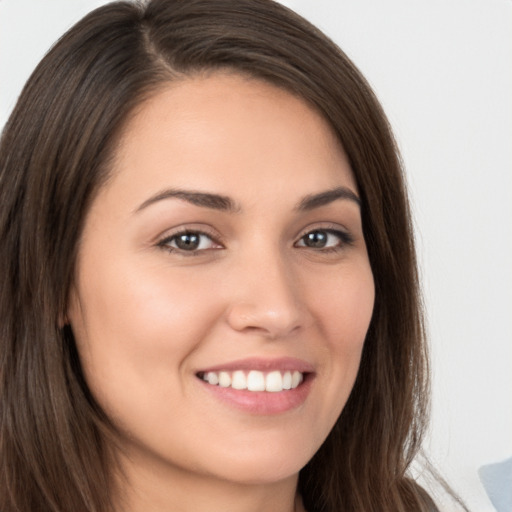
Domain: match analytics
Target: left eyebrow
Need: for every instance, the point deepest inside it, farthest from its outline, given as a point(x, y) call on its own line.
point(324, 198)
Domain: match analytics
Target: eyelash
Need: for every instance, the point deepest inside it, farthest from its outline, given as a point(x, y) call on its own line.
point(164, 243)
point(345, 239)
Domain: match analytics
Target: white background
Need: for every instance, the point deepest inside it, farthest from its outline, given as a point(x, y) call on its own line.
point(443, 71)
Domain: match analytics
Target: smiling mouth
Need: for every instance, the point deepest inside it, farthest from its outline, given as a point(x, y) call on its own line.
point(254, 380)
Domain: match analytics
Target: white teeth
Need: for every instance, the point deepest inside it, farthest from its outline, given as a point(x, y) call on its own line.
point(239, 381)
point(272, 382)
point(296, 379)
point(287, 380)
point(224, 380)
point(255, 381)
point(212, 378)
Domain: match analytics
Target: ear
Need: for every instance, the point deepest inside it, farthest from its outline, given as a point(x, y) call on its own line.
point(62, 320)
point(63, 317)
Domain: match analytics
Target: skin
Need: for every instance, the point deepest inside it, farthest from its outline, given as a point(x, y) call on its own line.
point(148, 316)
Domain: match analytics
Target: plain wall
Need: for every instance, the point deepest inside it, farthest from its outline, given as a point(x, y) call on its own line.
point(443, 71)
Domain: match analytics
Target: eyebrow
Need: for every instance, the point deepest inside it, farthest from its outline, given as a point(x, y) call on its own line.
point(313, 201)
point(226, 204)
point(203, 199)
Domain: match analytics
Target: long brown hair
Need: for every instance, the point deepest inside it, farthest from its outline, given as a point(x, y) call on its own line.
point(54, 155)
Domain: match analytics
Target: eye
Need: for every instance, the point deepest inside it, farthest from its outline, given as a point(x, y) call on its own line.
point(189, 241)
point(324, 239)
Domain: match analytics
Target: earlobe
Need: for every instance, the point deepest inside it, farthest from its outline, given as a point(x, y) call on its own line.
point(62, 320)
point(64, 316)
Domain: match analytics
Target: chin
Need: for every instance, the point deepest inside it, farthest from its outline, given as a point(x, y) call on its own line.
point(264, 463)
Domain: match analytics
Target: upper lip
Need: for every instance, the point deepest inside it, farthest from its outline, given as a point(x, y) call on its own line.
point(263, 365)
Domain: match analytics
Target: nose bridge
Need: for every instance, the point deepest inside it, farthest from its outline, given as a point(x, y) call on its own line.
point(267, 293)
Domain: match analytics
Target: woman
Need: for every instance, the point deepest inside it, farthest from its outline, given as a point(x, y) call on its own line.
point(209, 294)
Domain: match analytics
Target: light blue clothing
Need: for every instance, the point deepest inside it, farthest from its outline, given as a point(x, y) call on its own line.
point(497, 480)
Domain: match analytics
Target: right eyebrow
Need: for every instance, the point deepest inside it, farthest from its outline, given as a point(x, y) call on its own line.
point(313, 201)
point(203, 199)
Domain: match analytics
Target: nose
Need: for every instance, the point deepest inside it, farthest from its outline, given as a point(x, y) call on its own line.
point(266, 298)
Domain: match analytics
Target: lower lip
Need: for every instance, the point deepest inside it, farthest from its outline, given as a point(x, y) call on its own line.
point(263, 402)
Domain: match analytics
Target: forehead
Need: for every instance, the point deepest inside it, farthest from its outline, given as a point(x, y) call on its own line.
point(225, 131)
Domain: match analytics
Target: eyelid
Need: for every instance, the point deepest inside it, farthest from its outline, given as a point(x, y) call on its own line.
point(345, 235)
point(163, 241)
point(324, 226)
point(169, 235)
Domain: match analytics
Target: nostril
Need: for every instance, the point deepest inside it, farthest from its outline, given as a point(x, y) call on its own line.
point(271, 322)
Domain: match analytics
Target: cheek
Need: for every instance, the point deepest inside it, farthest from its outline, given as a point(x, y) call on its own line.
point(344, 307)
point(135, 327)
point(134, 300)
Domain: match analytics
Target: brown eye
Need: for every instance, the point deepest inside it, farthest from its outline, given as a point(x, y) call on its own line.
point(325, 239)
point(189, 241)
point(316, 239)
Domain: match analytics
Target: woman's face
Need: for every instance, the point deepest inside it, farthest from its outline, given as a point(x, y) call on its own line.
point(225, 252)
